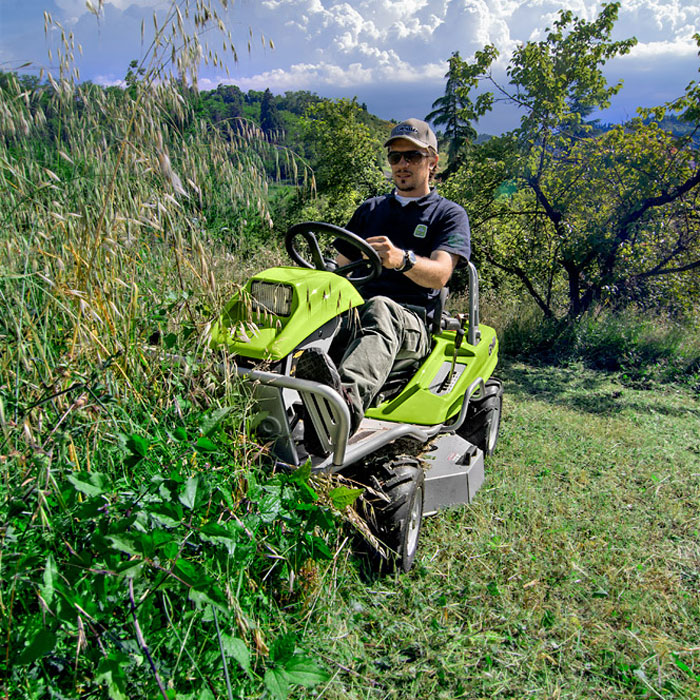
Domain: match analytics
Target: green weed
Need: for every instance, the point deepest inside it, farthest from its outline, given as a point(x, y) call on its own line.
point(145, 551)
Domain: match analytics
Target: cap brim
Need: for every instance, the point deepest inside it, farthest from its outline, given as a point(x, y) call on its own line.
point(415, 142)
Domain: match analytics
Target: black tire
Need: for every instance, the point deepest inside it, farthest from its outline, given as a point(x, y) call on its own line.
point(395, 520)
point(483, 421)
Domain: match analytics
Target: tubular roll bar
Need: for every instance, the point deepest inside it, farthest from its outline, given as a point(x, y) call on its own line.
point(474, 335)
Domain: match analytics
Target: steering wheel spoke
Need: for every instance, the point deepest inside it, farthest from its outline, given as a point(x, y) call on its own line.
point(350, 267)
point(316, 254)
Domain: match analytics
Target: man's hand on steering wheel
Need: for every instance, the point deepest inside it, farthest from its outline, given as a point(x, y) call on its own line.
point(392, 257)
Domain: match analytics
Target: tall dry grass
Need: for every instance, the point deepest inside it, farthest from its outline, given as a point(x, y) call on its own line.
point(104, 234)
point(123, 217)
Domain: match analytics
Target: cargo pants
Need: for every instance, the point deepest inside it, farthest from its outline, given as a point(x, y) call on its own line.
point(370, 342)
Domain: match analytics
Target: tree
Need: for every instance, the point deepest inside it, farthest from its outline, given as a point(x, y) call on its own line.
point(270, 121)
point(347, 153)
point(298, 101)
point(134, 75)
point(454, 110)
point(577, 218)
point(233, 98)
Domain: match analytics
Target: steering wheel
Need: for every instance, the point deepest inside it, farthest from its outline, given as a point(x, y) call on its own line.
point(369, 265)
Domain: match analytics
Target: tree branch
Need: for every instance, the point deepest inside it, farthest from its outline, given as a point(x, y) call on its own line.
point(659, 201)
point(669, 270)
point(522, 276)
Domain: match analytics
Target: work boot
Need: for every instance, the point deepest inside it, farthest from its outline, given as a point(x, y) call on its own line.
point(315, 365)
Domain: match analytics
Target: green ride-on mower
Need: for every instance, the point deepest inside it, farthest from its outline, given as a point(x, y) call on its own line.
point(421, 445)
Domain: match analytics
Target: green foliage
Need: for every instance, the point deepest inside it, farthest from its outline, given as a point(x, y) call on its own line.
point(455, 110)
point(176, 556)
point(649, 350)
point(559, 80)
point(580, 217)
point(269, 117)
point(146, 550)
point(348, 156)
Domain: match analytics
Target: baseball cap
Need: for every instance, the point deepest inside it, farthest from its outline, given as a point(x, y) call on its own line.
point(415, 131)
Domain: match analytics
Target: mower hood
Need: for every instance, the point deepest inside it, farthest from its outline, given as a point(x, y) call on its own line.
point(279, 308)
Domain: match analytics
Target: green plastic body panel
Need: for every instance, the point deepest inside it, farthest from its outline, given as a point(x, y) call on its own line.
point(317, 297)
point(420, 405)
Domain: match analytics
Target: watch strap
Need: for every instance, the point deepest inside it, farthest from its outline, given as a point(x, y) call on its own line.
point(409, 261)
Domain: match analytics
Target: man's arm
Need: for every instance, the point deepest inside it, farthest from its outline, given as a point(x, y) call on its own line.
point(433, 272)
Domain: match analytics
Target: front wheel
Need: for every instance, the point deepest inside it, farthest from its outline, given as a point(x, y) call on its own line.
point(483, 420)
point(395, 517)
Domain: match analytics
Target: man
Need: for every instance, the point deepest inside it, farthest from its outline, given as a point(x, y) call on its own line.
point(420, 238)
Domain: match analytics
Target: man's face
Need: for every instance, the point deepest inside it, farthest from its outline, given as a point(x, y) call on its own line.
point(411, 178)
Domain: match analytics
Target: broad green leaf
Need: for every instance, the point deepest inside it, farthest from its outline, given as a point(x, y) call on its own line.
point(282, 648)
point(206, 445)
point(111, 672)
point(218, 534)
point(43, 643)
point(212, 419)
point(236, 648)
point(189, 496)
point(276, 683)
point(187, 571)
point(271, 503)
point(180, 434)
point(342, 496)
point(122, 543)
point(132, 569)
point(301, 474)
point(50, 573)
point(213, 529)
point(312, 495)
point(89, 483)
point(319, 546)
point(305, 671)
point(168, 514)
point(137, 445)
point(204, 602)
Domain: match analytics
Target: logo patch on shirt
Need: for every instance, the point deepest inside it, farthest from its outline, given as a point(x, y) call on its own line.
point(421, 231)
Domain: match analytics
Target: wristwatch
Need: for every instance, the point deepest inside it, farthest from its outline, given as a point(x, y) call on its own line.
point(409, 261)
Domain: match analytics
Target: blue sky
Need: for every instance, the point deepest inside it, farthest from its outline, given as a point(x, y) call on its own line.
point(390, 54)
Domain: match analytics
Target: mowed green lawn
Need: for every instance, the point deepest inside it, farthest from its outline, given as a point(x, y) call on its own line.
point(575, 574)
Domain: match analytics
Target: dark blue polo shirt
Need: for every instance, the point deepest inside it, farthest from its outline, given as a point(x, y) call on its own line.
point(423, 225)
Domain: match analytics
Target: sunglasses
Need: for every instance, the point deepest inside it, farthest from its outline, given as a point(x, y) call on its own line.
point(411, 157)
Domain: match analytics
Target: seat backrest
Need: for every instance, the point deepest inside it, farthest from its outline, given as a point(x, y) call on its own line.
point(439, 310)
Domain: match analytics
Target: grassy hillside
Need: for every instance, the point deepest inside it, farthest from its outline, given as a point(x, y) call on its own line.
point(575, 574)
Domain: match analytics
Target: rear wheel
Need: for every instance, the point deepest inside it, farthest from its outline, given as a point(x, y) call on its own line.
point(483, 421)
point(395, 514)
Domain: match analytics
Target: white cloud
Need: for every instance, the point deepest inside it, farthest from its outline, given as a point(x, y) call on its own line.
point(317, 76)
point(109, 81)
point(659, 49)
point(372, 46)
